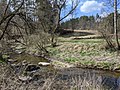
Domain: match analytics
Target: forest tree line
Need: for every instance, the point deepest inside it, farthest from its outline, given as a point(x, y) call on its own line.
point(91, 22)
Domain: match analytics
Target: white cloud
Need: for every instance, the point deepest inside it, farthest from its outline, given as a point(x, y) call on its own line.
point(104, 14)
point(90, 6)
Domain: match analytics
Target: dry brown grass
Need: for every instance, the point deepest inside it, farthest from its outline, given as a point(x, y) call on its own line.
point(88, 37)
point(89, 31)
point(9, 81)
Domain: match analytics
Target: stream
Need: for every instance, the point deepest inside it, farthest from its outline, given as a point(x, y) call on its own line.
point(75, 77)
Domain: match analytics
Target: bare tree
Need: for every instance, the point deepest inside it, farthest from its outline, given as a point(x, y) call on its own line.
point(113, 4)
point(13, 18)
point(58, 7)
point(7, 18)
point(115, 25)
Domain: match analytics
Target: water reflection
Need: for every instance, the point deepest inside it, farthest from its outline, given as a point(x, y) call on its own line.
point(106, 80)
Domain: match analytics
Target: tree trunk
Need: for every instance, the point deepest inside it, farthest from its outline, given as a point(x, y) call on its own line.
point(52, 40)
point(115, 25)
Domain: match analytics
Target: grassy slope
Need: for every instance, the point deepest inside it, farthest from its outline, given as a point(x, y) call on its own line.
point(85, 53)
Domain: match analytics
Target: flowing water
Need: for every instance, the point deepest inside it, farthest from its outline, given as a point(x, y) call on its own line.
point(103, 79)
point(77, 78)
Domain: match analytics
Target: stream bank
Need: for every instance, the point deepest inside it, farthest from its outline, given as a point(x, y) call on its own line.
point(71, 53)
point(88, 53)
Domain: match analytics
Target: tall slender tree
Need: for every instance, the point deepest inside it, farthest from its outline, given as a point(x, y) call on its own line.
point(115, 25)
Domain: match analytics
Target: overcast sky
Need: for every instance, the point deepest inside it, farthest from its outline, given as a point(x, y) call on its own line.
point(91, 7)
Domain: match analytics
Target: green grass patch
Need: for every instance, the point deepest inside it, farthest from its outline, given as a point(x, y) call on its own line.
point(89, 53)
point(3, 58)
point(53, 51)
point(106, 65)
point(88, 63)
point(1, 61)
point(71, 59)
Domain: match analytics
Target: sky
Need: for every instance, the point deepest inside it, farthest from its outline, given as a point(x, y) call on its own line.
point(90, 7)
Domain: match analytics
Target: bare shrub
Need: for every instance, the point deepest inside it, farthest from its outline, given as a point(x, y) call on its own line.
point(105, 30)
point(38, 42)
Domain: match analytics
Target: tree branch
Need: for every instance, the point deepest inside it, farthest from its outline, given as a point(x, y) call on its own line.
point(69, 12)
